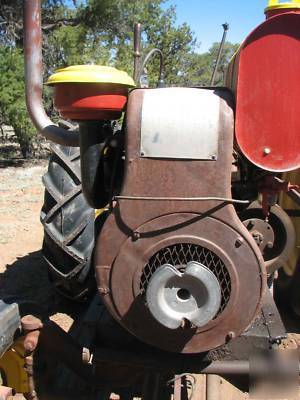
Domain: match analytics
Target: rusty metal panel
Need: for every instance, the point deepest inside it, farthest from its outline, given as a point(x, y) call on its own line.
point(181, 123)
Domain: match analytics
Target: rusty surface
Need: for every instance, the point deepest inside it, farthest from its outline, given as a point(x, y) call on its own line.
point(31, 326)
point(137, 50)
point(284, 234)
point(137, 230)
point(168, 363)
point(34, 77)
point(220, 51)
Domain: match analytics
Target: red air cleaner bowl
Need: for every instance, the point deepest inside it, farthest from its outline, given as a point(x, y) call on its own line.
point(266, 82)
point(90, 92)
point(89, 101)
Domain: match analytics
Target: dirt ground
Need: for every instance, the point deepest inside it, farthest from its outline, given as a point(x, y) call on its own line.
point(23, 272)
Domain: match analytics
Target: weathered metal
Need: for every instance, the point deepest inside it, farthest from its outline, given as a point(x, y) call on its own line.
point(34, 78)
point(31, 327)
point(293, 192)
point(137, 50)
point(277, 254)
point(149, 56)
point(133, 234)
point(177, 298)
point(170, 198)
point(9, 324)
point(110, 365)
point(175, 132)
point(164, 363)
point(221, 47)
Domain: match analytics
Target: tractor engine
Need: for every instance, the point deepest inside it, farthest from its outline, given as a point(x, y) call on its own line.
point(188, 184)
point(174, 263)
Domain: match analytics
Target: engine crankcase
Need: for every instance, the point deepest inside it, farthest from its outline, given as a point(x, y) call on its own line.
point(174, 263)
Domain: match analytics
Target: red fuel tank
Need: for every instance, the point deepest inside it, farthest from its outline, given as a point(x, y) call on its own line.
point(265, 77)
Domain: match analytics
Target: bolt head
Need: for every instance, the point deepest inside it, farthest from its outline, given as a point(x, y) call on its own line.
point(136, 236)
point(230, 335)
point(86, 355)
point(267, 151)
point(239, 241)
point(103, 290)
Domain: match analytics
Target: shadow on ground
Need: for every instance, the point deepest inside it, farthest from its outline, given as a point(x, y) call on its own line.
point(26, 280)
point(21, 162)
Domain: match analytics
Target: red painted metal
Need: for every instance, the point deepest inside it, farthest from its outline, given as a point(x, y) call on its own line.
point(270, 187)
point(268, 94)
point(280, 11)
point(88, 101)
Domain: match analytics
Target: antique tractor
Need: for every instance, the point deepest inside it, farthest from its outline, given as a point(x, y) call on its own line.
point(188, 230)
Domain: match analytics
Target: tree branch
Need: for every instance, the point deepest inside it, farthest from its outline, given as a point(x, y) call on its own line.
point(50, 25)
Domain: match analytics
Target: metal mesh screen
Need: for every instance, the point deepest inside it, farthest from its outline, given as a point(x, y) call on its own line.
point(179, 255)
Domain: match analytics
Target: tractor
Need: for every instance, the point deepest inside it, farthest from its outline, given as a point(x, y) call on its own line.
point(170, 211)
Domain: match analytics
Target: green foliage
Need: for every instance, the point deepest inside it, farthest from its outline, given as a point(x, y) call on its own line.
point(12, 97)
point(203, 65)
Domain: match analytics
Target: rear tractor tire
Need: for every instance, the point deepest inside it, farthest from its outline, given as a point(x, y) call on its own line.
point(69, 226)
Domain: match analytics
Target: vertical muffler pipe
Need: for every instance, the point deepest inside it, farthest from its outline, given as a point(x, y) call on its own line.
point(34, 78)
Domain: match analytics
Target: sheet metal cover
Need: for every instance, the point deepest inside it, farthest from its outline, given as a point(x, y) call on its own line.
point(180, 123)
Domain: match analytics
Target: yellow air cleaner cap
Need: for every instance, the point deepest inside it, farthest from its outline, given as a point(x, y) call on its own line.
point(278, 5)
point(90, 74)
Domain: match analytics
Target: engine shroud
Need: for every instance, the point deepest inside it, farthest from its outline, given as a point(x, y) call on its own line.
point(146, 230)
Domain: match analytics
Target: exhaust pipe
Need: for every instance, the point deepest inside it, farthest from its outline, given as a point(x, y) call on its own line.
point(34, 78)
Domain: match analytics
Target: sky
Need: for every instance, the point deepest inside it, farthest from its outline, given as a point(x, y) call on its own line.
point(206, 18)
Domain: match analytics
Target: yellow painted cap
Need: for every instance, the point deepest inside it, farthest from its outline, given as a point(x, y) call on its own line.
point(90, 74)
point(277, 5)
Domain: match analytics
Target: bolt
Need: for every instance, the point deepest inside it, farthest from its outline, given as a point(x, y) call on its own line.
point(250, 225)
point(136, 236)
point(239, 242)
point(103, 290)
point(213, 157)
point(267, 151)
point(142, 154)
point(230, 335)
point(86, 355)
point(114, 204)
point(270, 245)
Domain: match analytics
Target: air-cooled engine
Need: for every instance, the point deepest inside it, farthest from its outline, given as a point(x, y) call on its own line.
point(190, 181)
